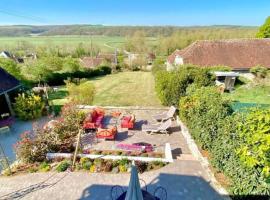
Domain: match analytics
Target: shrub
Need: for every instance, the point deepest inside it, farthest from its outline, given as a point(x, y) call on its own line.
point(122, 168)
point(141, 166)
point(123, 161)
point(199, 109)
point(93, 169)
point(63, 166)
point(33, 146)
point(85, 163)
point(108, 166)
point(30, 147)
point(44, 167)
point(81, 94)
point(11, 67)
point(259, 71)
point(71, 65)
point(28, 106)
point(255, 149)
point(171, 86)
point(236, 142)
point(105, 70)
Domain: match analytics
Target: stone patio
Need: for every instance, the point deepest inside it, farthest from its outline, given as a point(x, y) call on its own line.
point(184, 179)
point(136, 135)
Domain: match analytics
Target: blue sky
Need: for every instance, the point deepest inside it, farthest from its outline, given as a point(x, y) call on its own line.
point(135, 12)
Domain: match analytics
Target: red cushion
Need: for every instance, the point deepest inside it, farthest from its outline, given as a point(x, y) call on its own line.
point(99, 121)
point(127, 118)
point(94, 116)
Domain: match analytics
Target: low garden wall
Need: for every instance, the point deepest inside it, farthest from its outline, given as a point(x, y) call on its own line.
point(168, 156)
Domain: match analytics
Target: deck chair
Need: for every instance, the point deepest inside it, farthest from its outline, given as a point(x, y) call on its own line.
point(166, 115)
point(158, 128)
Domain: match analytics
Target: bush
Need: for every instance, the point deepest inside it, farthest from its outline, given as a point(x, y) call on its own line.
point(11, 67)
point(105, 70)
point(259, 71)
point(236, 142)
point(171, 86)
point(30, 147)
point(199, 109)
point(254, 151)
point(108, 166)
point(85, 163)
point(81, 94)
point(33, 146)
point(141, 166)
point(93, 169)
point(44, 167)
point(63, 166)
point(28, 106)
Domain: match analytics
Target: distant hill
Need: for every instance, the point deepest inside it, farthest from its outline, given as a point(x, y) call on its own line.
point(52, 30)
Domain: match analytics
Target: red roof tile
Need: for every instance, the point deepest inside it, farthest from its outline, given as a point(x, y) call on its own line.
point(235, 53)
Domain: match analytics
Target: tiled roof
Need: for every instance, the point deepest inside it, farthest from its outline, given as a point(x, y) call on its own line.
point(235, 53)
point(89, 62)
point(7, 81)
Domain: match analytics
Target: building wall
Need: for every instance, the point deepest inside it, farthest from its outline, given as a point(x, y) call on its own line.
point(4, 106)
point(178, 60)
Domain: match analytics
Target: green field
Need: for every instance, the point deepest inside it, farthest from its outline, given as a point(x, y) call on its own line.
point(121, 89)
point(103, 42)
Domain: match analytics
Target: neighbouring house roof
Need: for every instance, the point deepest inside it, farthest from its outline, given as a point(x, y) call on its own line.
point(235, 53)
point(108, 57)
point(89, 62)
point(8, 82)
point(151, 56)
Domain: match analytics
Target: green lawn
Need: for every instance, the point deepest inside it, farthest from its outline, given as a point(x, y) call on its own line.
point(121, 89)
point(256, 94)
point(252, 96)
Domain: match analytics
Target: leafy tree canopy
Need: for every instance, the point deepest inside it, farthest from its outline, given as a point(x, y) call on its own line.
point(264, 31)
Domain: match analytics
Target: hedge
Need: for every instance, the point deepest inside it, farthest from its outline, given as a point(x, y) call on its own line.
point(170, 86)
point(220, 131)
point(58, 78)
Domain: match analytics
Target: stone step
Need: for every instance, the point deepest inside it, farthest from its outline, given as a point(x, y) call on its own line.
point(185, 157)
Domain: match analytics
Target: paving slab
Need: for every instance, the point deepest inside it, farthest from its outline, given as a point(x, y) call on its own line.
point(184, 179)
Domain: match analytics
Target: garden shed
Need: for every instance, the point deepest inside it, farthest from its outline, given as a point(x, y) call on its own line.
point(8, 87)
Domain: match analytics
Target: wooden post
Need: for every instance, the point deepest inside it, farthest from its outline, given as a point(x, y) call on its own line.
point(9, 104)
point(77, 147)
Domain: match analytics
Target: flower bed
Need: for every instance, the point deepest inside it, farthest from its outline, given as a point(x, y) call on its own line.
point(97, 165)
point(124, 153)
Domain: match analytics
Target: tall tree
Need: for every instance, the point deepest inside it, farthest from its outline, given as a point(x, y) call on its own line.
point(264, 31)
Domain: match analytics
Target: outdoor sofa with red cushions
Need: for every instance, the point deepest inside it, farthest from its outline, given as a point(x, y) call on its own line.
point(94, 119)
point(108, 133)
point(128, 122)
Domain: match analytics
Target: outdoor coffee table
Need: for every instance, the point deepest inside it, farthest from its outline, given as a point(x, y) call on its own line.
point(146, 196)
point(110, 121)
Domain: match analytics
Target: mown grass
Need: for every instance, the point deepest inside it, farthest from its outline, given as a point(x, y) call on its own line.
point(256, 94)
point(250, 95)
point(121, 89)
